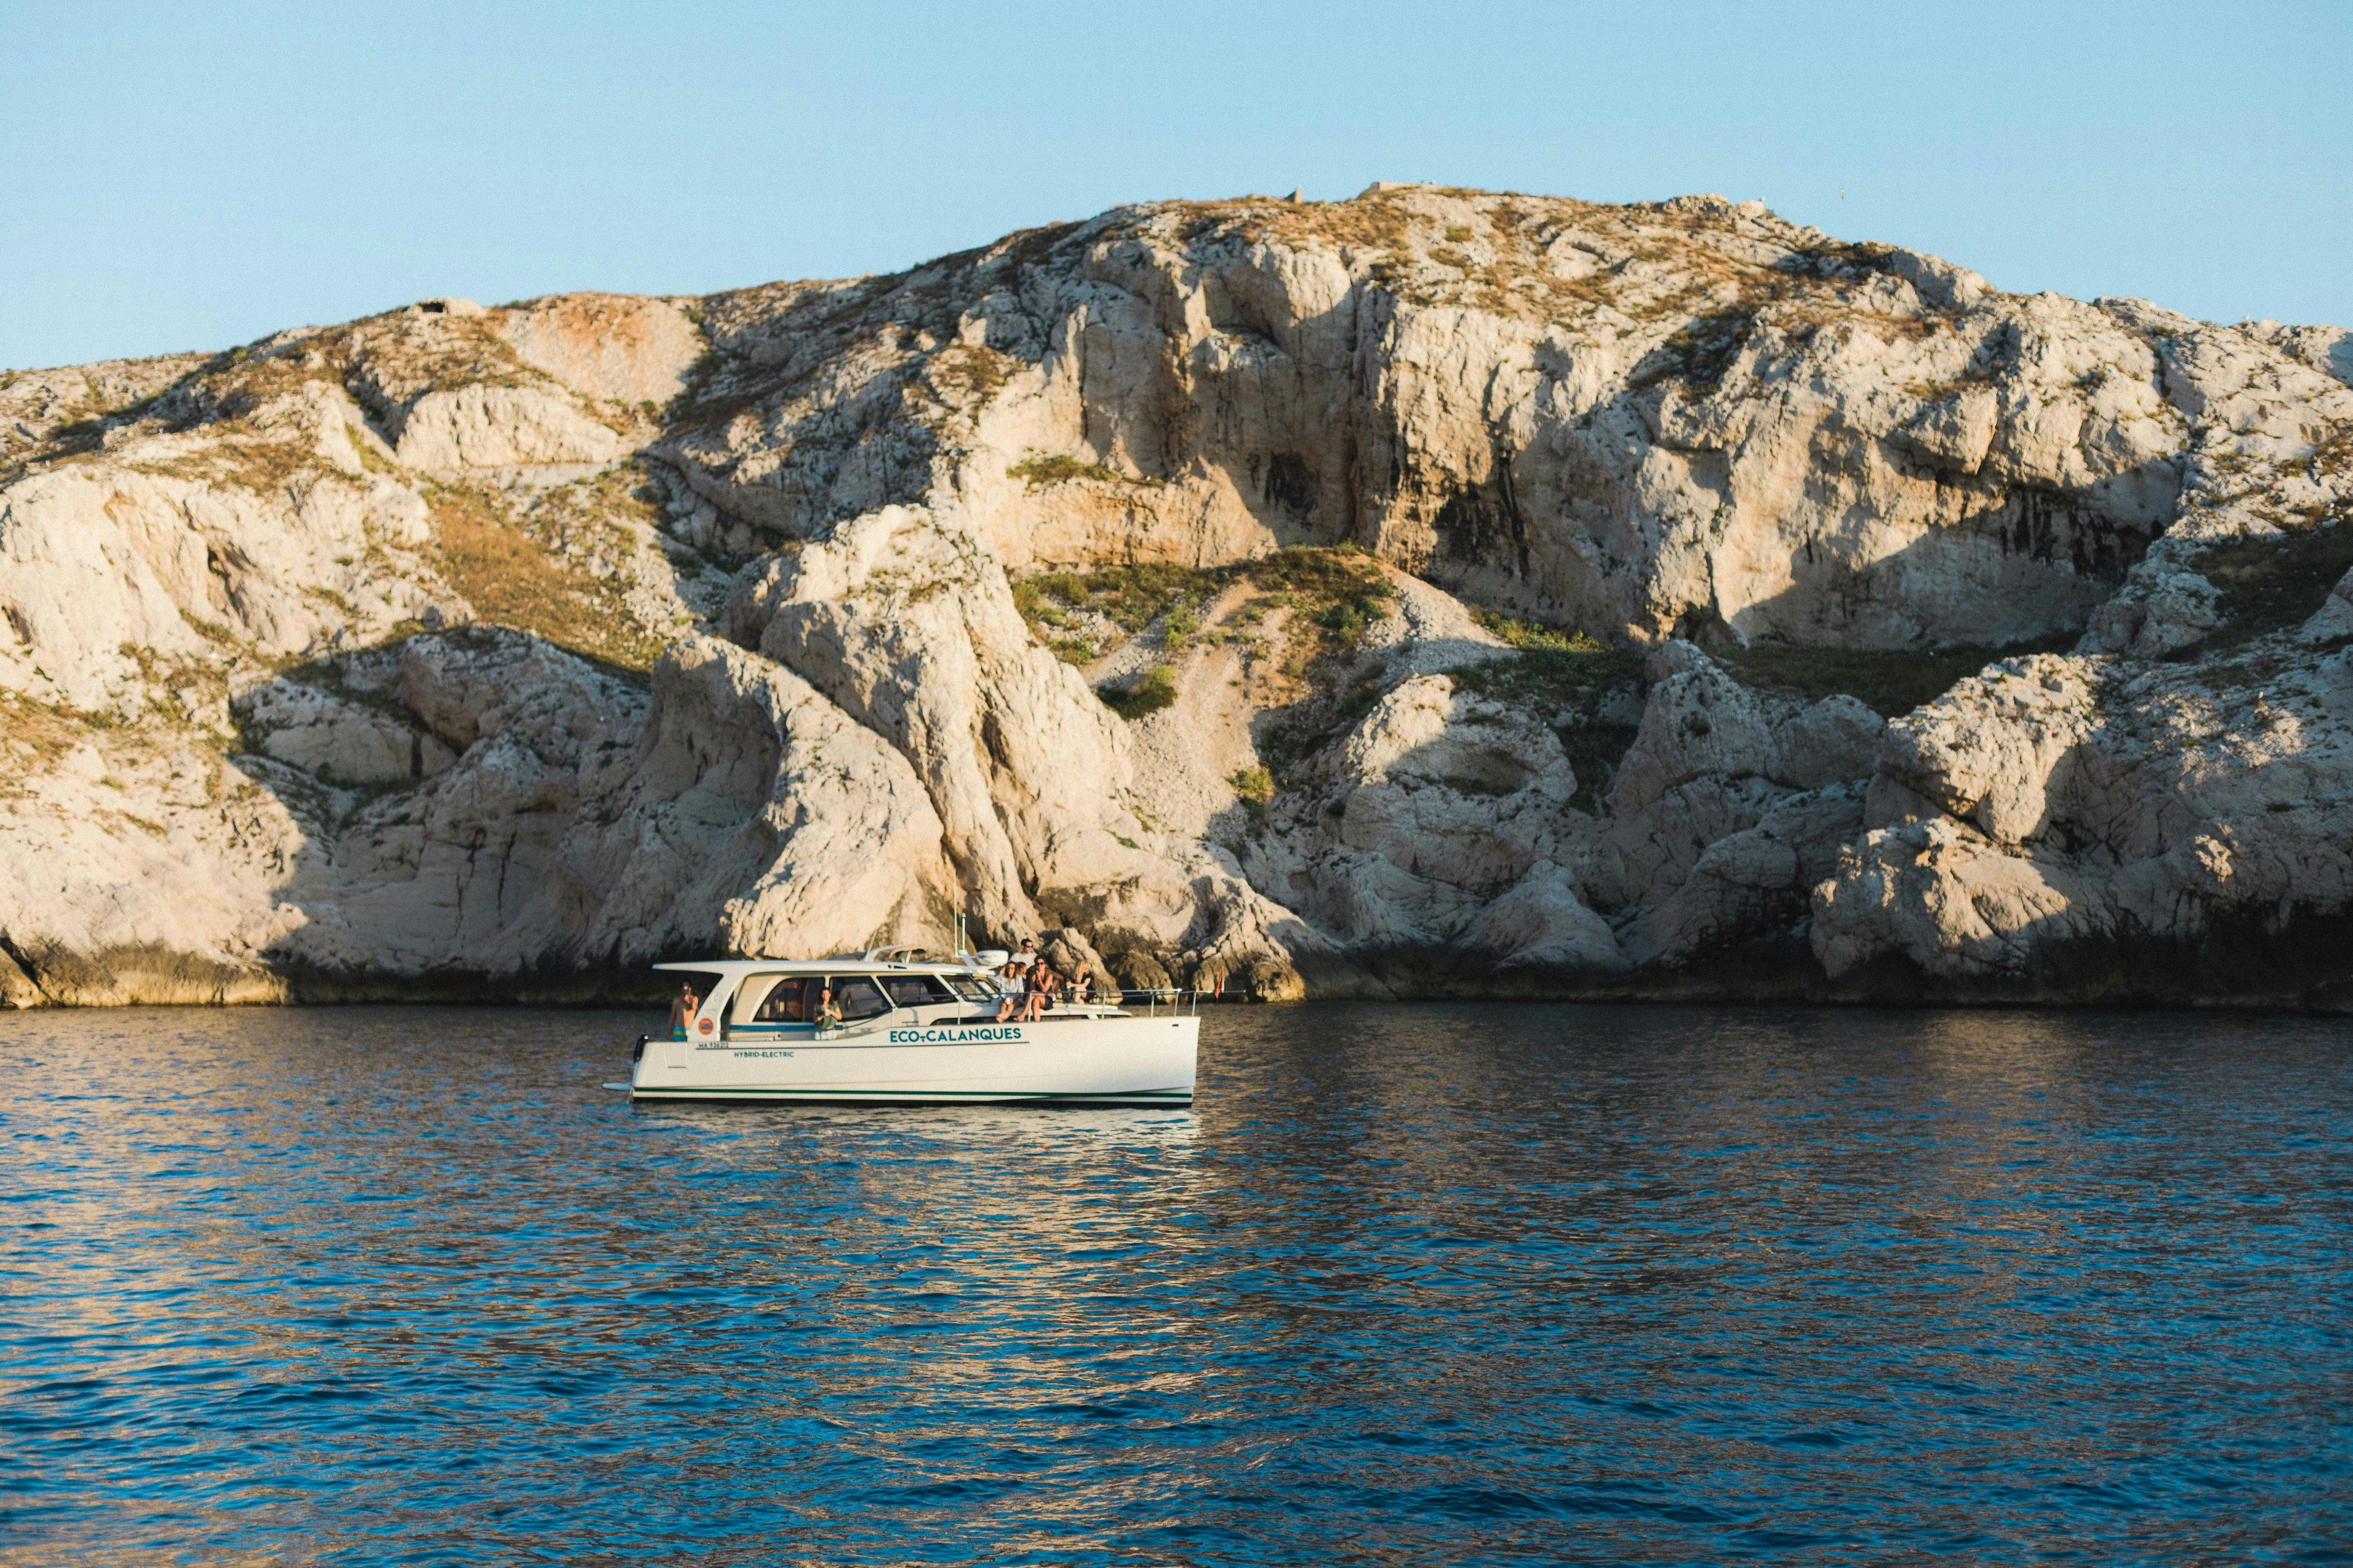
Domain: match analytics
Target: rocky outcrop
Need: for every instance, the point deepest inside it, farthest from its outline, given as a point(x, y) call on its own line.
point(1634, 420)
point(2053, 805)
point(1436, 591)
point(911, 630)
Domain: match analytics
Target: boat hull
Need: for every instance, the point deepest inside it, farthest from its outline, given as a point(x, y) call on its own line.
point(1076, 1062)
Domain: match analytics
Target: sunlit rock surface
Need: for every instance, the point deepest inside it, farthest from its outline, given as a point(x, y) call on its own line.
point(1435, 591)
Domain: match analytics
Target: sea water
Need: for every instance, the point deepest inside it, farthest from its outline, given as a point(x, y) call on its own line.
point(1411, 1284)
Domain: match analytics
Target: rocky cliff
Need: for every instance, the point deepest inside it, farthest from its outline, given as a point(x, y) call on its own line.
point(1432, 592)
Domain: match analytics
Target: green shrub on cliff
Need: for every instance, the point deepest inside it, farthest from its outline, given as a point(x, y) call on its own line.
point(1151, 692)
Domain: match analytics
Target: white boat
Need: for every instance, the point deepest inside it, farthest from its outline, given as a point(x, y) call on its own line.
point(911, 1031)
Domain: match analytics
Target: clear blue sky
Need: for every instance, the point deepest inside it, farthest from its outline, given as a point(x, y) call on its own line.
point(194, 177)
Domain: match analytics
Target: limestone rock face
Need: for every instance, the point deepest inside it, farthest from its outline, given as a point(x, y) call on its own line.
point(1449, 801)
point(1754, 883)
point(1943, 896)
point(332, 737)
point(2053, 800)
point(1943, 462)
point(2267, 460)
point(908, 625)
point(586, 820)
point(2334, 620)
point(839, 848)
point(150, 551)
point(499, 426)
point(2008, 776)
point(1436, 591)
point(43, 410)
point(140, 879)
point(608, 347)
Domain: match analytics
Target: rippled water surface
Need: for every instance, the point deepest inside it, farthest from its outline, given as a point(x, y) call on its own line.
point(1463, 1284)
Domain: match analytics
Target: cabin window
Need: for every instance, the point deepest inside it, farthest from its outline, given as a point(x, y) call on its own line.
point(858, 999)
point(784, 1005)
point(915, 990)
point(749, 995)
point(770, 999)
point(971, 988)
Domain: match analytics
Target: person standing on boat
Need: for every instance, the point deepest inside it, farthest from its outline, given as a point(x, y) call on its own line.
point(1027, 958)
point(829, 1011)
point(682, 1009)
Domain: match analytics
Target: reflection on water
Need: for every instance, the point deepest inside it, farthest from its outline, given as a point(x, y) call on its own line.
point(1411, 1285)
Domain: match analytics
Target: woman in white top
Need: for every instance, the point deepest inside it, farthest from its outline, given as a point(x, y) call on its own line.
point(1013, 978)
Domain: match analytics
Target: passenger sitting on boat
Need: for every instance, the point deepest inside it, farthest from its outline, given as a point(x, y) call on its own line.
point(682, 1009)
point(1011, 978)
point(1043, 983)
point(1081, 984)
point(829, 1011)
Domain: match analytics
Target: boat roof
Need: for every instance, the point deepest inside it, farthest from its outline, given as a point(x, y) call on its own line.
point(845, 964)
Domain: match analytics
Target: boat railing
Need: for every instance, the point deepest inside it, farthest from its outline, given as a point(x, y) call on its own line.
point(1188, 1002)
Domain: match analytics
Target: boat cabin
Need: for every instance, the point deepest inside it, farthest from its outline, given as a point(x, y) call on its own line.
point(758, 999)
